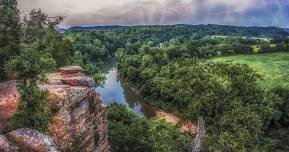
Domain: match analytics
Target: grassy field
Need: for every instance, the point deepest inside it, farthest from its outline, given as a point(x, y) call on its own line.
point(274, 67)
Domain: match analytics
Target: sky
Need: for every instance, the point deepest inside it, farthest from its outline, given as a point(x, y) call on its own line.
point(137, 12)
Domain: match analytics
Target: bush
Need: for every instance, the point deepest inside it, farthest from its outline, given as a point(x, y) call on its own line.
point(33, 110)
point(129, 132)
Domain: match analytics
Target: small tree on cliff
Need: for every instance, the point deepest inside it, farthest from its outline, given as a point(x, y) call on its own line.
point(31, 66)
point(41, 50)
point(37, 26)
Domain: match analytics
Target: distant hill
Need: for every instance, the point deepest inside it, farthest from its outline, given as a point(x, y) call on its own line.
point(286, 29)
point(202, 30)
point(94, 28)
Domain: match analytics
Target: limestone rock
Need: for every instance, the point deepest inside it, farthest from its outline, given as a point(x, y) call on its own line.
point(69, 71)
point(32, 140)
point(78, 81)
point(71, 75)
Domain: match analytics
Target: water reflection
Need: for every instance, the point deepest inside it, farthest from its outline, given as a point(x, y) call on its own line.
point(115, 91)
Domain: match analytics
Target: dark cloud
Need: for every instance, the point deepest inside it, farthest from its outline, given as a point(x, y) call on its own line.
point(132, 12)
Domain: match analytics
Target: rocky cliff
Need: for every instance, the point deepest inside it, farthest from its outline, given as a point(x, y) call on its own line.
point(79, 115)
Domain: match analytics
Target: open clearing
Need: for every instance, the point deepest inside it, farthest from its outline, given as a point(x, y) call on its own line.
point(274, 67)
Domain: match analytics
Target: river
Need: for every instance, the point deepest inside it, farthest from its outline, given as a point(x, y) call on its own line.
point(114, 90)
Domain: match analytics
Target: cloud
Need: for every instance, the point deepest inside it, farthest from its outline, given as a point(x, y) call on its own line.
point(236, 12)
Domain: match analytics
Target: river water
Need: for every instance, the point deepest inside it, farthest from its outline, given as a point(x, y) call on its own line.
point(115, 90)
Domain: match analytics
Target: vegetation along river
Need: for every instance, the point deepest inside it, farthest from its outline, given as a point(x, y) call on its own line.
point(114, 90)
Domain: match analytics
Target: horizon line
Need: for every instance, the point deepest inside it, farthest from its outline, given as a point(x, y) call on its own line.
point(134, 25)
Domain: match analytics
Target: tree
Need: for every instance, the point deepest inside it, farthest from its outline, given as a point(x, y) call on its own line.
point(91, 46)
point(278, 127)
point(226, 95)
point(37, 26)
point(9, 32)
point(31, 65)
point(57, 45)
point(34, 26)
point(89, 68)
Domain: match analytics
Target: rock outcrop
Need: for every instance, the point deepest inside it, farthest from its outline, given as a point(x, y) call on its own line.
point(79, 115)
point(32, 140)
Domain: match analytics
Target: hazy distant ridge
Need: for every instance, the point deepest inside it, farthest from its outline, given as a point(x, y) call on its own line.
point(95, 28)
point(210, 29)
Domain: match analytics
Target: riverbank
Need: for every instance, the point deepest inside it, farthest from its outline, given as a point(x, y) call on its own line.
point(117, 90)
point(169, 117)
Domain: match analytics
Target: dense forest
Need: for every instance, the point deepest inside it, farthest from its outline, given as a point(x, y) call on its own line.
point(31, 47)
point(190, 30)
point(201, 40)
point(172, 69)
point(181, 80)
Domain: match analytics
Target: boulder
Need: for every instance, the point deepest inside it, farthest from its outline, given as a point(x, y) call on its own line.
point(32, 140)
point(6, 146)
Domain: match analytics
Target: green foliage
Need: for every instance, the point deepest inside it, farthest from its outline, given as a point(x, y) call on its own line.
point(91, 45)
point(187, 40)
point(279, 126)
point(33, 111)
point(9, 32)
point(58, 46)
point(160, 61)
point(235, 109)
point(78, 59)
point(31, 65)
point(38, 27)
point(274, 67)
point(75, 144)
point(129, 132)
point(36, 24)
point(89, 68)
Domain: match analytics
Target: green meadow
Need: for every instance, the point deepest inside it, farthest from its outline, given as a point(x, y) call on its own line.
point(274, 67)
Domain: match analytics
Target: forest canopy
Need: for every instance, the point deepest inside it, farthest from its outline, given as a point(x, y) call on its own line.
point(170, 66)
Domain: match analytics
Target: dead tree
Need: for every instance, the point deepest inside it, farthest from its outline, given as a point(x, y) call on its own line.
point(200, 135)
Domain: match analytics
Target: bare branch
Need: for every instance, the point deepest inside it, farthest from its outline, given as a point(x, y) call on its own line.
point(200, 135)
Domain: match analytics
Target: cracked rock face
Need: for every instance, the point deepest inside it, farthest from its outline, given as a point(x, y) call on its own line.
point(70, 92)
